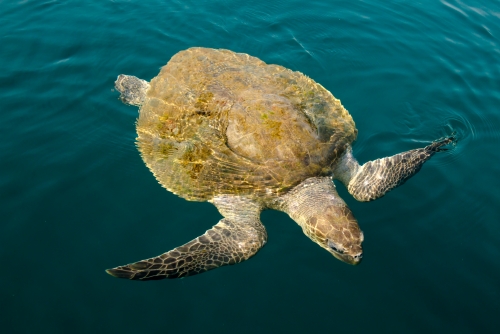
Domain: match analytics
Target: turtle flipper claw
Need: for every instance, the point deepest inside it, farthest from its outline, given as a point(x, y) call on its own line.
point(437, 146)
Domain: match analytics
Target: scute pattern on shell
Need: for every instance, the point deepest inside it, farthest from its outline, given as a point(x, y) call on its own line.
point(218, 122)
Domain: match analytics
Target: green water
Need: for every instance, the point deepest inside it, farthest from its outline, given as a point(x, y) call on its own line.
point(77, 199)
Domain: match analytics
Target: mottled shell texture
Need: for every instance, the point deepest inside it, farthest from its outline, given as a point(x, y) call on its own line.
point(218, 122)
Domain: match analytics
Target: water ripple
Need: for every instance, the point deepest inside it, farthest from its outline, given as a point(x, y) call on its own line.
point(71, 178)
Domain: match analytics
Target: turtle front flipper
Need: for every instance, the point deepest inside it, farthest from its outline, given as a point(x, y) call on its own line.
point(375, 178)
point(234, 239)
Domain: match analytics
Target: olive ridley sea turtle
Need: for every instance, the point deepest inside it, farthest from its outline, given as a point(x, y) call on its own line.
point(227, 128)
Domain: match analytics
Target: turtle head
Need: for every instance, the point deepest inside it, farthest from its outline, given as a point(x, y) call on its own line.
point(325, 218)
point(132, 89)
point(336, 230)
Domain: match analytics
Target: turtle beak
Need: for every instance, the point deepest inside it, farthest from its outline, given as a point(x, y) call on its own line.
point(354, 260)
point(343, 256)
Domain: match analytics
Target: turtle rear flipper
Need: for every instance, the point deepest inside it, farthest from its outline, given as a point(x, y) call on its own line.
point(132, 89)
point(230, 241)
point(375, 178)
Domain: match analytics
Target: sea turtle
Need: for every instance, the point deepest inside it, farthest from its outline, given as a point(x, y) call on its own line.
point(227, 128)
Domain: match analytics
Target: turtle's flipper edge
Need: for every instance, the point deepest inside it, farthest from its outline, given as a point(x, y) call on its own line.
point(226, 243)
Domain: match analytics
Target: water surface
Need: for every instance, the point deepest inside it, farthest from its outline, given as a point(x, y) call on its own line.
point(77, 199)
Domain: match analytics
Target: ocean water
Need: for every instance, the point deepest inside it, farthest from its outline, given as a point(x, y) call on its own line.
point(76, 199)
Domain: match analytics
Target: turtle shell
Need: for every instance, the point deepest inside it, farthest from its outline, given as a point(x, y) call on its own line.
point(219, 122)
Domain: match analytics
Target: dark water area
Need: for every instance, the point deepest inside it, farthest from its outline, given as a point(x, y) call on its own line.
point(76, 198)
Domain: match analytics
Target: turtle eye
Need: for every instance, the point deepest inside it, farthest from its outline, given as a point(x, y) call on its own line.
point(334, 247)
